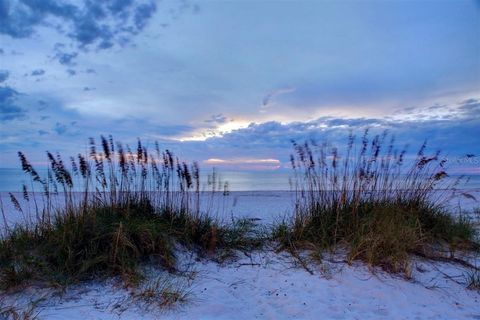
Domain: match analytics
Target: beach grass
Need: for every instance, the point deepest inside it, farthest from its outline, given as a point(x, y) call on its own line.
point(377, 203)
point(132, 208)
point(121, 209)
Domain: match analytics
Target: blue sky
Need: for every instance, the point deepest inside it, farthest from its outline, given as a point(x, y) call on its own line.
point(235, 81)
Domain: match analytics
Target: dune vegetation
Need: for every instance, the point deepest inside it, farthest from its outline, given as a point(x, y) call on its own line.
point(374, 202)
point(121, 209)
point(118, 209)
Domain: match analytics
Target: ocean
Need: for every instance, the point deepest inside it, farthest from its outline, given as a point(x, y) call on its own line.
point(11, 180)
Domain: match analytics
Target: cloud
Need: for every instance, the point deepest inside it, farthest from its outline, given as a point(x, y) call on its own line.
point(466, 109)
point(99, 23)
point(84, 25)
point(4, 74)
point(8, 108)
point(268, 98)
point(63, 129)
point(16, 20)
point(217, 119)
point(60, 128)
point(143, 13)
point(42, 132)
point(66, 59)
point(43, 105)
point(38, 72)
point(454, 134)
point(267, 145)
point(470, 107)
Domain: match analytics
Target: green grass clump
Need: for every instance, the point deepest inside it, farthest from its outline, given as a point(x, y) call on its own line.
point(103, 242)
point(132, 209)
point(367, 203)
point(99, 242)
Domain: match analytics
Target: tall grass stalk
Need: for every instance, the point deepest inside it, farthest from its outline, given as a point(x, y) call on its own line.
point(105, 213)
point(373, 199)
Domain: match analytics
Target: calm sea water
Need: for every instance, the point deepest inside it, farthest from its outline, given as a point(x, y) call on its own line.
point(12, 179)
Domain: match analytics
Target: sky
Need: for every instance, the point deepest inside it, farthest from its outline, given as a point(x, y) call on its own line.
point(232, 83)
